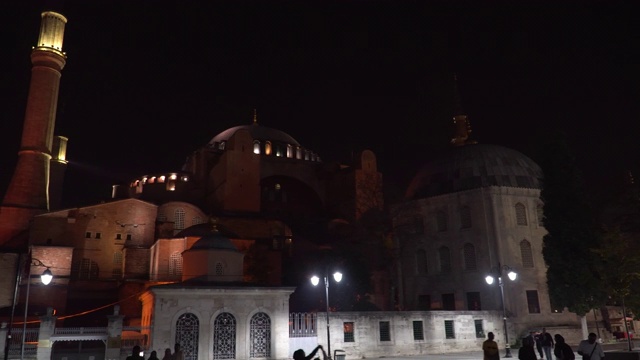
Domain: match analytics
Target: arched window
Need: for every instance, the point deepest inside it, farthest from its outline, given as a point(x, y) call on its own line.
point(298, 153)
point(521, 214)
point(187, 332)
point(179, 219)
point(175, 264)
point(196, 220)
point(444, 256)
point(441, 219)
point(224, 337)
point(469, 257)
point(267, 148)
point(256, 146)
point(219, 269)
point(87, 269)
point(289, 151)
point(260, 336)
point(526, 253)
point(465, 217)
point(421, 262)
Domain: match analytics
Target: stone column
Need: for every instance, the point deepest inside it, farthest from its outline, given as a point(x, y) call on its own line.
point(114, 335)
point(47, 327)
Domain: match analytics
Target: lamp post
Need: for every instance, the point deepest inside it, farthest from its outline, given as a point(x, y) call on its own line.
point(46, 278)
point(490, 279)
point(337, 276)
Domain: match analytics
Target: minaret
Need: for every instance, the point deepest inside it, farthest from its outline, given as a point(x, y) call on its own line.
point(460, 121)
point(28, 191)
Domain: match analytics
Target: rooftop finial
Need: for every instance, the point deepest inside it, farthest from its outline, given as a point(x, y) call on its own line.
point(214, 224)
point(255, 117)
point(462, 130)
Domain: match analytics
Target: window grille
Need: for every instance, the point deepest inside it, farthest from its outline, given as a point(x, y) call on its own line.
point(219, 269)
point(348, 328)
point(521, 214)
point(526, 253)
point(469, 257)
point(479, 328)
point(179, 219)
point(449, 332)
point(196, 220)
point(175, 263)
point(418, 330)
point(532, 302)
point(260, 336)
point(385, 331)
point(224, 337)
point(187, 333)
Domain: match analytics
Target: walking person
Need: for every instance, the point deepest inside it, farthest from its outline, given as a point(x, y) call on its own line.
point(490, 348)
point(526, 351)
point(547, 344)
point(537, 337)
point(590, 349)
point(167, 354)
point(135, 353)
point(562, 350)
point(177, 355)
point(153, 355)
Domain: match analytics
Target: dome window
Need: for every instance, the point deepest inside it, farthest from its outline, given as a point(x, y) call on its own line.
point(289, 151)
point(152, 180)
point(173, 176)
point(256, 147)
point(298, 153)
point(161, 179)
point(184, 178)
point(267, 148)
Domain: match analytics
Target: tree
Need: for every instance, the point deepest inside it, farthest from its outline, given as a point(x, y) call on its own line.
point(573, 235)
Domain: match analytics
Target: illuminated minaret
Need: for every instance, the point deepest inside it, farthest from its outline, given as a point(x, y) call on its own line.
point(28, 192)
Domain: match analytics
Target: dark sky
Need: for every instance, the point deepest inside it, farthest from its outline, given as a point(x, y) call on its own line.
point(147, 82)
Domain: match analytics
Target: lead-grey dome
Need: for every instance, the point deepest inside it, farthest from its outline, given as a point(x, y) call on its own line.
point(474, 166)
point(258, 132)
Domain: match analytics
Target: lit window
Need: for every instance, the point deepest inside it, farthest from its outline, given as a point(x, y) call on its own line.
point(161, 179)
point(278, 187)
point(152, 180)
point(348, 328)
point(267, 148)
point(289, 151)
point(256, 147)
point(185, 178)
point(173, 177)
point(298, 153)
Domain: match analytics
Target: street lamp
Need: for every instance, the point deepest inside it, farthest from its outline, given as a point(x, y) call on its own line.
point(337, 276)
point(46, 278)
point(490, 279)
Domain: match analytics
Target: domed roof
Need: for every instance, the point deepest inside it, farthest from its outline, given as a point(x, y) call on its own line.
point(474, 166)
point(214, 240)
point(257, 132)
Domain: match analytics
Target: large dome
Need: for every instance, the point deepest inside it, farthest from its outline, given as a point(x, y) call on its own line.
point(257, 132)
point(474, 166)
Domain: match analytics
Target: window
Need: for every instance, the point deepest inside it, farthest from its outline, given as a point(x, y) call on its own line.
point(479, 329)
point(521, 214)
point(348, 328)
point(187, 334)
point(87, 235)
point(421, 262)
point(465, 217)
point(385, 331)
point(118, 236)
point(128, 236)
point(179, 219)
point(196, 220)
point(256, 146)
point(473, 301)
point(445, 259)
point(532, 302)
point(448, 302)
point(175, 264)
point(98, 235)
point(219, 269)
point(526, 253)
point(224, 337)
point(449, 332)
point(418, 331)
point(260, 336)
point(267, 148)
point(424, 302)
point(469, 257)
point(87, 269)
point(540, 214)
point(441, 220)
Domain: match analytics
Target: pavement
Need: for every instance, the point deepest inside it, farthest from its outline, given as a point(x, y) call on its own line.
point(477, 355)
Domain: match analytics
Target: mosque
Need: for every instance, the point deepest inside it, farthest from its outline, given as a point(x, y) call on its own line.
point(248, 202)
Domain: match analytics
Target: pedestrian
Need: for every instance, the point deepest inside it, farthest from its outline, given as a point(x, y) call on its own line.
point(153, 355)
point(177, 355)
point(135, 353)
point(300, 354)
point(526, 351)
point(547, 344)
point(562, 350)
point(490, 348)
point(167, 354)
point(589, 349)
point(537, 337)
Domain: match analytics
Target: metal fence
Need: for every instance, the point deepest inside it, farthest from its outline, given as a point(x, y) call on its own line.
point(30, 337)
point(302, 325)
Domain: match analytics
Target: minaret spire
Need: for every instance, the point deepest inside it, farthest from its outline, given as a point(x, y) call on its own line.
point(462, 130)
point(255, 117)
point(28, 191)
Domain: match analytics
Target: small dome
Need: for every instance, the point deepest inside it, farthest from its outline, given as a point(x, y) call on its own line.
point(213, 239)
point(257, 132)
point(474, 166)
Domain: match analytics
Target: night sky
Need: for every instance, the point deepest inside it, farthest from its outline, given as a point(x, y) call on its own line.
point(148, 82)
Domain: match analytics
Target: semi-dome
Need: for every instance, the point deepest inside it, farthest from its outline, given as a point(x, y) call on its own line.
point(474, 166)
point(258, 132)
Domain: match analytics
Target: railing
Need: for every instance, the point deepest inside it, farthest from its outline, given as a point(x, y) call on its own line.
point(80, 330)
point(30, 343)
point(302, 325)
